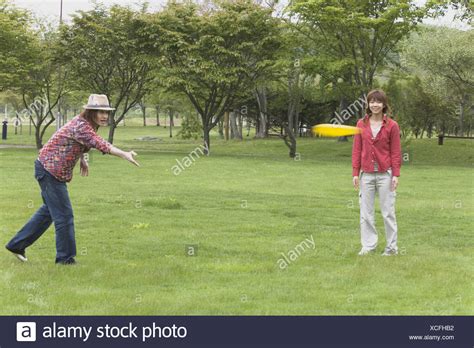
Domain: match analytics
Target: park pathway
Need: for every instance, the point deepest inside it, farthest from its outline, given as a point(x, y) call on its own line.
point(17, 146)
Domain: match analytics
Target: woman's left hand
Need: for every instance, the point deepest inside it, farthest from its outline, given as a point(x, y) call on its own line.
point(84, 167)
point(394, 183)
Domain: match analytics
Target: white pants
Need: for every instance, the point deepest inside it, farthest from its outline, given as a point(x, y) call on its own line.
point(370, 184)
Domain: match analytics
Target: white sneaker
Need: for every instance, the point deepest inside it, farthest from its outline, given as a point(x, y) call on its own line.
point(22, 258)
point(363, 252)
point(20, 255)
point(389, 252)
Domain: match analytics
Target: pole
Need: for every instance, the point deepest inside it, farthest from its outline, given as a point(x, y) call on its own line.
point(58, 117)
point(61, 13)
point(4, 129)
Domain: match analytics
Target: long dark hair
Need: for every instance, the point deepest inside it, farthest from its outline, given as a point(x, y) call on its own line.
point(380, 96)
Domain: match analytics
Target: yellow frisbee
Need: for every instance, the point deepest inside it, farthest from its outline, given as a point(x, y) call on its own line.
point(335, 130)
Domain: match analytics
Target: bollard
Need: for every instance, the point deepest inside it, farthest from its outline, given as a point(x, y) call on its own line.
point(440, 139)
point(4, 130)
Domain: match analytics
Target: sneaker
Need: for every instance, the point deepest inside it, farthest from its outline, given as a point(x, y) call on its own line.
point(389, 252)
point(363, 252)
point(19, 254)
point(70, 261)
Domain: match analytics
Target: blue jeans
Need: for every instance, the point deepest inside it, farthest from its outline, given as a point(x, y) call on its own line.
point(56, 208)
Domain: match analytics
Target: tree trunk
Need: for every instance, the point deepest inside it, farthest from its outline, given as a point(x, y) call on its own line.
point(290, 138)
point(290, 141)
point(39, 143)
point(171, 114)
point(112, 125)
point(207, 141)
point(232, 124)
point(429, 130)
point(226, 125)
point(294, 95)
point(296, 122)
point(261, 96)
point(143, 108)
point(220, 125)
point(234, 115)
point(157, 108)
point(294, 102)
point(461, 115)
point(469, 131)
point(257, 124)
point(40, 129)
point(240, 121)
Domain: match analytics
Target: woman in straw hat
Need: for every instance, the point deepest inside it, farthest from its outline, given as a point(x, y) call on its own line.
point(54, 168)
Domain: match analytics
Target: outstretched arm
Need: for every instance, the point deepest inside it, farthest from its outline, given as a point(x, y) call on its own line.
point(85, 134)
point(129, 156)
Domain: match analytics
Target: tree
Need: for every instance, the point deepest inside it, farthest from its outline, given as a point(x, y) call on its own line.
point(418, 110)
point(29, 66)
point(41, 82)
point(173, 103)
point(142, 105)
point(356, 35)
point(261, 97)
point(464, 8)
point(73, 101)
point(445, 66)
point(155, 99)
point(293, 80)
point(210, 55)
point(102, 51)
point(16, 42)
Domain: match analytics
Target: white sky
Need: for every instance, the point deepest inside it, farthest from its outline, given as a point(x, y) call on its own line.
point(50, 9)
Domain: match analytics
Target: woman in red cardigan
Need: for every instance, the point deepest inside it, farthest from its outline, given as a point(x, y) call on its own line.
point(376, 162)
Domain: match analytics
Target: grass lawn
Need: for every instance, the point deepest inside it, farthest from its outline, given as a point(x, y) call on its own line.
point(242, 207)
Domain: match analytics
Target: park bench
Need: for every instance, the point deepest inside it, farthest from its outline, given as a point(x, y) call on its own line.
point(442, 136)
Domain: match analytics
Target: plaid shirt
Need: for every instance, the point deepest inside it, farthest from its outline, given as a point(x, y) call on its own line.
point(66, 146)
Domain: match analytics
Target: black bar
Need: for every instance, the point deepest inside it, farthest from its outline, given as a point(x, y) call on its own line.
point(342, 331)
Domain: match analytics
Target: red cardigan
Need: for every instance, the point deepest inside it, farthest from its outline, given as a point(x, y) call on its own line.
point(385, 149)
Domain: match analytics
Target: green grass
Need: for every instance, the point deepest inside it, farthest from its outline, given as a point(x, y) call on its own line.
point(243, 207)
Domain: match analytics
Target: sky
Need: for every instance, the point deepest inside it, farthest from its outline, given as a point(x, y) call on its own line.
point(50, 9)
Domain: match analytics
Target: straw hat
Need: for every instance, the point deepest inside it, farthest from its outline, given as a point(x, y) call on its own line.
point(98, 102)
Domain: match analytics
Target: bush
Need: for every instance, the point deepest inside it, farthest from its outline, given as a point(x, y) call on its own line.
point(190, 127)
